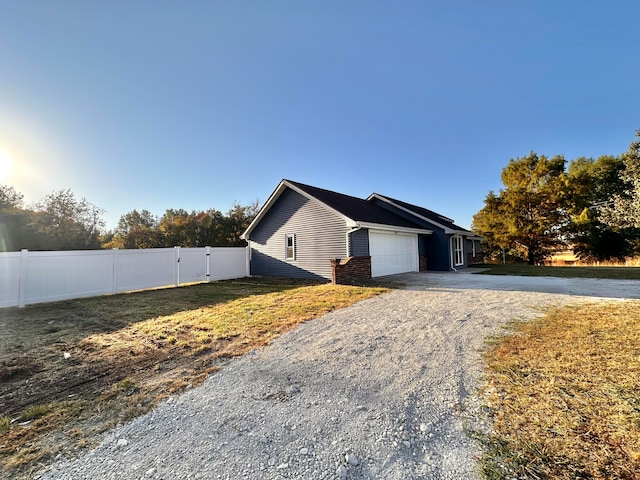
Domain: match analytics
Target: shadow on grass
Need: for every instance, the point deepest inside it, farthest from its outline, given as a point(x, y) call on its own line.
point(36, 341)
point(78, 318)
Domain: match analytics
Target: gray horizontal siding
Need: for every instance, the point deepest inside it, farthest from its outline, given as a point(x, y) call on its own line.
point(320, 234)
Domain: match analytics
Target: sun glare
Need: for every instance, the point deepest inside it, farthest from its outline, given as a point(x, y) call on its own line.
point(5, 166)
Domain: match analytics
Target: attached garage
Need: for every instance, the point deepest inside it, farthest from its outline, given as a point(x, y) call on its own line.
point(392, 252)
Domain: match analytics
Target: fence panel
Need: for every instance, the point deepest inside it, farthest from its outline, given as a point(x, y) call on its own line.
point(53, 276)
point(228, 262)
point(34, 277)
point(142, 269)
point(9, 279)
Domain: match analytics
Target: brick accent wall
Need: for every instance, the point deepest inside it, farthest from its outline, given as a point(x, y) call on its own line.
point(422, 260)
point(351, 270)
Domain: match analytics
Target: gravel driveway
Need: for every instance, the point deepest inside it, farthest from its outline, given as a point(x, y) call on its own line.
point(383, 389)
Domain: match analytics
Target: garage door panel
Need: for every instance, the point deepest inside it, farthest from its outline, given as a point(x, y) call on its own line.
point(392, 253)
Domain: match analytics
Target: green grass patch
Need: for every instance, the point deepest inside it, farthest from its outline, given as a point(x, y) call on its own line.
point(564, 395)
point(619, 273)
point(5, 424)
point(36, 411)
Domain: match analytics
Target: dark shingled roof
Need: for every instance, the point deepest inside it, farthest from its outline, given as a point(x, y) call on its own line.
point(356, 209)
point(431, 215)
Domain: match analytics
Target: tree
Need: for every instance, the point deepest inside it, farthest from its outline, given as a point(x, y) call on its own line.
point(67, 223)
point(174, 229)
point(15, 229)
point(177, 227)
point(529, 214)
point(10, 199)
point(136, 230)
point(237, 220)
point(593, 183)
point(195, 229)
point(623, 211)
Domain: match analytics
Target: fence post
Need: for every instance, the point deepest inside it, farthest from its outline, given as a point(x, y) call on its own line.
point(207, 270)
point(22, 278)
point(114, 271)
point(177, 265)
point(247, 256)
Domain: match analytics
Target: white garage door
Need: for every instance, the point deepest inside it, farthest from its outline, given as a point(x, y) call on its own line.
point(392, 253)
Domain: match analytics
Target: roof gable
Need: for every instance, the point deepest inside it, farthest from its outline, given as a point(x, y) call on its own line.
point(428, 215)
point(356, 212)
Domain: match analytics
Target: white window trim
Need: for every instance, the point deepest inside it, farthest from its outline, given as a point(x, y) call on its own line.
point(458, 250)
point(291, 236)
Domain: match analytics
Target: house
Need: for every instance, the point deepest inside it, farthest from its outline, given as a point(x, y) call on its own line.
point(308, 232)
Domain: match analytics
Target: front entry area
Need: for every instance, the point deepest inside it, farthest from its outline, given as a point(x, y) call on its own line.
point(392, 252)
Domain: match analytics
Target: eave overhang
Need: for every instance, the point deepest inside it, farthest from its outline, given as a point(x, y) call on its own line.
point(447, 230)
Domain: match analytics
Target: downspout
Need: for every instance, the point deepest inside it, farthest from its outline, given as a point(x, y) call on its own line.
point(451, 253)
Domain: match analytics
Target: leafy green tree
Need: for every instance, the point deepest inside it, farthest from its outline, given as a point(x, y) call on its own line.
point(177, 227)
point(136, 229)
point(237, 220)
point(67, 223)
point(211, 225)
point(593, 183)
point(623, 211)
point(194, 229)
point(530, 213)
point(15, 222)
point(10, 199)
point(175, 230)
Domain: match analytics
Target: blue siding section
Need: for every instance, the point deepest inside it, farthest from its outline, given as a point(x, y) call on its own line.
point(320, 234)
point(359, 243)
point(438, 256)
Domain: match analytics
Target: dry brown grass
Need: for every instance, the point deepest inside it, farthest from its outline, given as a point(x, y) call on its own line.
point(126, 353)
point(565, 392)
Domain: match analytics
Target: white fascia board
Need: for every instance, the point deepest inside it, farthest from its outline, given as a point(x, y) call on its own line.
point(393, 228)
point(265, 208)
point(276, 194)
point(464, 233)
point(447, 230)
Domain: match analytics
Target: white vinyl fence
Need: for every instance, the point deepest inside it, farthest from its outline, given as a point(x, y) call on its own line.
point(34, 277)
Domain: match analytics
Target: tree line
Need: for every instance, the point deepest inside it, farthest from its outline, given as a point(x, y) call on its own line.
point(590, 205)
point(60, 221)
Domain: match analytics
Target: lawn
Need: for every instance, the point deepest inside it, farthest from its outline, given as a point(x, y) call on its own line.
point(69, 371)
point(563, 392)
point(620, 273)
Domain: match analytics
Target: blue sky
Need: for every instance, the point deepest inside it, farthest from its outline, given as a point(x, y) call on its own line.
point(197, 104)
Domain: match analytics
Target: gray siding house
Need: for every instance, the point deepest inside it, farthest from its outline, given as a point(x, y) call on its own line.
point(301, 231)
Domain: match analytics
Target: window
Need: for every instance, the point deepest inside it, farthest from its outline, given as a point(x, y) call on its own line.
point(290, 242)
point(457, 250)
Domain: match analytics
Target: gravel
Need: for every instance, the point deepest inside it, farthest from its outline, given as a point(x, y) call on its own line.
point(384, 389)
